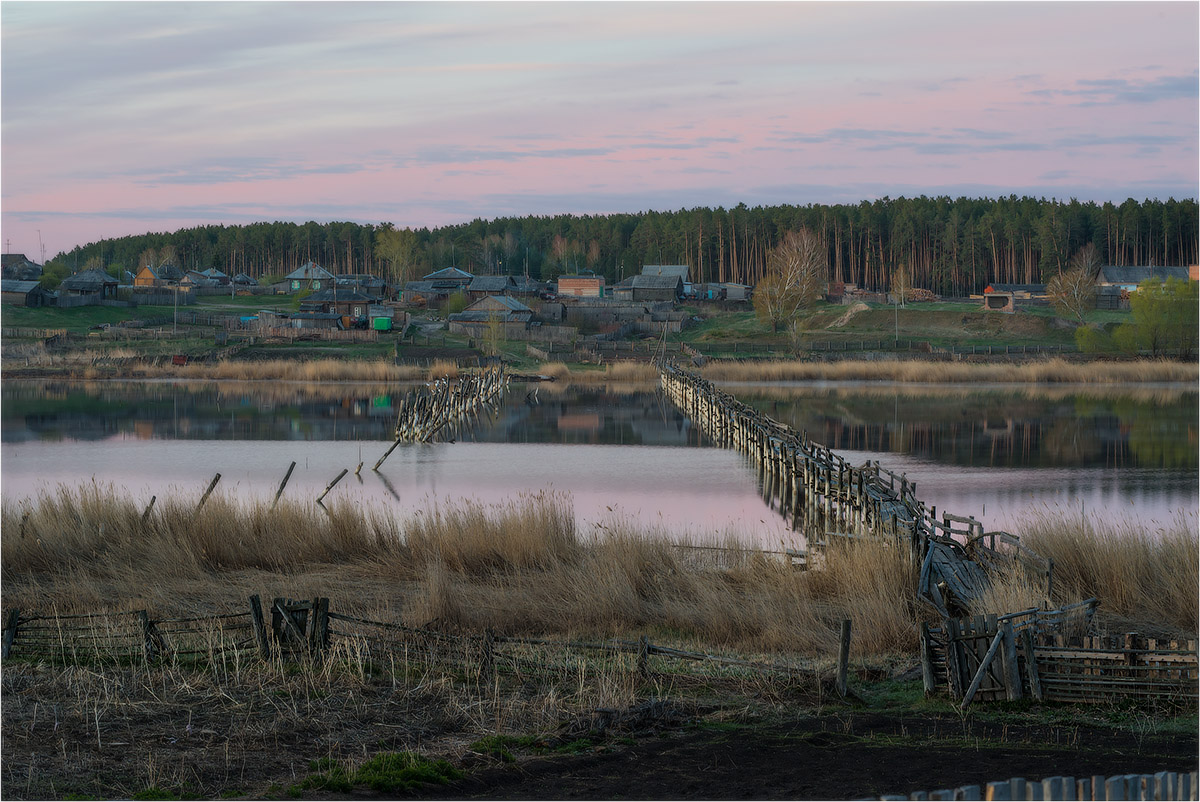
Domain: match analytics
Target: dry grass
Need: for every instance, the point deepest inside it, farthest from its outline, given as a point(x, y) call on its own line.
point(620, 371)
point(1147, 580)
point(520, 568)
point(1050, 371)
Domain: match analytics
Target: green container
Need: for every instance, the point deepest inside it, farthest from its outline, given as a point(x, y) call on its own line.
point(382, 324)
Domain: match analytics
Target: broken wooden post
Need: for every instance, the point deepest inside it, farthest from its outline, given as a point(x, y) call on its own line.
point(10, 630)
point(927, 677)
point(260, 626)
point(331, 484)
point(1035, 682)
point(387, 453)
point(149, 507)
point(283, 484)
point(843, 658)
point(208, 492)
point(1012, 677)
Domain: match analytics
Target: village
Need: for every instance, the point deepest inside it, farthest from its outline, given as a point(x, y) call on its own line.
point(568, 318)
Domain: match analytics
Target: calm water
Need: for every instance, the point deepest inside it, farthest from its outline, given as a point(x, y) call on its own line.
point(993, 452)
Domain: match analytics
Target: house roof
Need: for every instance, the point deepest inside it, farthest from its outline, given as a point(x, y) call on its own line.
point(12, 285)
point(164, 272)
point(576, 277)
point(526, 284)
point(88, 280)
point(666, 270)
point(429, 287)
point(448, 272)
point(309, 271)
point(1135, 274)
point(339, 295)
point(212, 272)
point(656, 282)
point(491, 284)
point(484, 316)
point(242, 278)
point(505, 302)
point(1018, 287)
point(7, 259)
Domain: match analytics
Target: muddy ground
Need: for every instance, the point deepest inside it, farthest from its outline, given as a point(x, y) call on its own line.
point(74, 733)
point(847, 756)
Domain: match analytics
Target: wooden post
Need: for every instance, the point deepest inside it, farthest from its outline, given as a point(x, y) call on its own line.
point(927, 676)
point(644, 656)
point(149, 507)
point(983, 667)
point(208, 492)
point(843, 658)
point(260, 627)
point(318, 625)
point(1035, 682)
point(331, 484)
point(147, 636)
point(10, 630)
point(283, 484)
point(1012, 677)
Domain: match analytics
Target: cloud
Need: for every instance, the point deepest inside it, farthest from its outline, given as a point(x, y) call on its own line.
point(1108, 91)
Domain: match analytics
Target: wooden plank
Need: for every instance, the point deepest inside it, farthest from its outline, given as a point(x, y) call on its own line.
point(10, 630)
point(1031, 665)
point(843, 657)
point(1012, 676)
point(979, 675)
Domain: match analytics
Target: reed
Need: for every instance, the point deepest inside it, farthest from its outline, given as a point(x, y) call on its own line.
point(1144, 579)
point(1050, 371)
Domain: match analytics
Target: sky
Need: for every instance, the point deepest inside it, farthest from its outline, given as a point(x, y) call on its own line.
point(124, 118)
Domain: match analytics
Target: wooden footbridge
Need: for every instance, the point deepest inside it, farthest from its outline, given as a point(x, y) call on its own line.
point(825, 497)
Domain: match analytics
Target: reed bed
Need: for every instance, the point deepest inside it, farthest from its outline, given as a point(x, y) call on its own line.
point(1147, 580)
point(1050, 371)
point(520, 568)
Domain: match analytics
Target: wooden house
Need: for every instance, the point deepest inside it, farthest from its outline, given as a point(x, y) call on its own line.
point(576, 286)
point(483, 286)
point(90, 283)
point(661, 287)
point(17, 266)
point(347, 303)
point(161, 276)
point(450, 275)
point(218, 276)
point(679, 271)
point(1128, 277)
point(22, 293)
point(309, 276)
point(476, 319)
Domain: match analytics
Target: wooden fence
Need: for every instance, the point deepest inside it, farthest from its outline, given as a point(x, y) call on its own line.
point(309, 629)
point(1166, 785)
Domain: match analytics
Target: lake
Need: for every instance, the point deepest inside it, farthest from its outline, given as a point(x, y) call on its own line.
point(994, 452)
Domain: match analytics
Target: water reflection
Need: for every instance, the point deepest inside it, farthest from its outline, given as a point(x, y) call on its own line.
point(985, 451)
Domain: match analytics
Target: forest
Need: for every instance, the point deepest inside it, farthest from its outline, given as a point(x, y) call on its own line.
point(953, 247)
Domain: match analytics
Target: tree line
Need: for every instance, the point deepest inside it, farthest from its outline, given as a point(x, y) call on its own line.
point(950, 246)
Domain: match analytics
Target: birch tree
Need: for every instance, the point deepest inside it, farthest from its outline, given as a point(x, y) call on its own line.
point(1073, 292)
point(794, 278)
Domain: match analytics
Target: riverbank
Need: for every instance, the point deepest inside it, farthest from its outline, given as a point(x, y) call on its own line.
point(242, 727)
point(118, 364)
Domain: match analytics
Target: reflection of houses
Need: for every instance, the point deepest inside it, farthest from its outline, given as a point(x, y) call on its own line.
point(22, 293)
point(90, 283)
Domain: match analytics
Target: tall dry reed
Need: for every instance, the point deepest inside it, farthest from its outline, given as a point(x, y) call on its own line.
point(1147, 579)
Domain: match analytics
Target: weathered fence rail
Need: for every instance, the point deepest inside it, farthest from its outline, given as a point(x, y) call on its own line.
point(308, 628)
point(1166, 785)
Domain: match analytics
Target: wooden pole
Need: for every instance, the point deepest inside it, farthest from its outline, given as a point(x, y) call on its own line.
point(260, 627)
point(283, 484)
point(927, 676)
point(1035, 681)
point(211, 485)
point(10, 630)
point(843, 658)
point(1012, 676)
point(150, 506)
point(331, 484)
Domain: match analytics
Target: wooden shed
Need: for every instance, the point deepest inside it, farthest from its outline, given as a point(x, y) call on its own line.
point(22, 293)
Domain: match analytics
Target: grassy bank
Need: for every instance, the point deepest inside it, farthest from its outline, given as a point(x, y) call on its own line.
point(523, 568)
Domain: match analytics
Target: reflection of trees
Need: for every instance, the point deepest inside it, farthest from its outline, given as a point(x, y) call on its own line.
point(1159, 437)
